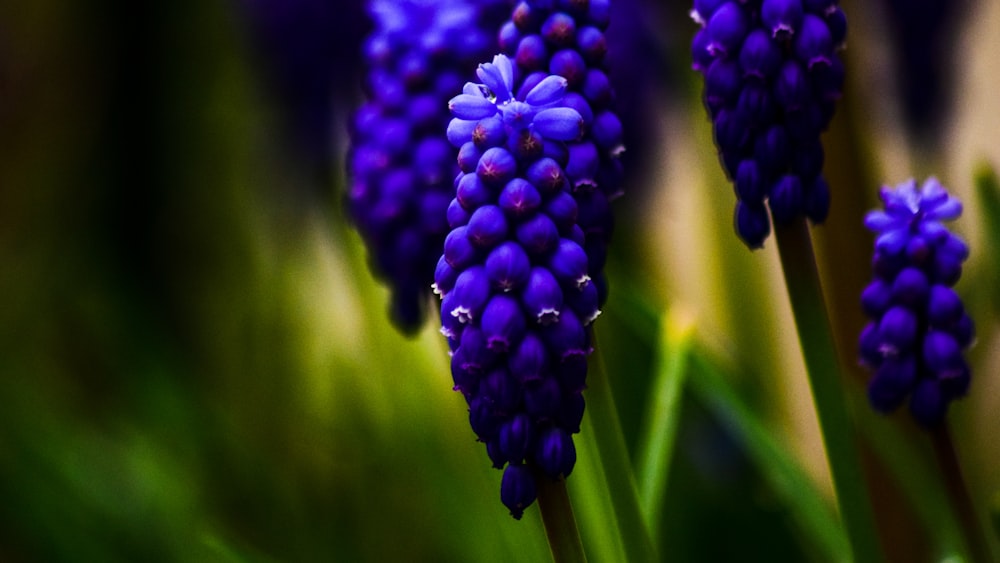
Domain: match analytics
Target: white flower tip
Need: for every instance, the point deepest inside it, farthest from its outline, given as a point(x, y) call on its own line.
point(548, 316)
point(463, 314)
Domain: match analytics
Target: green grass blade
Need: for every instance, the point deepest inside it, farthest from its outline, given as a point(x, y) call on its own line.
point(811, 512)
point(614, 456)
point(659, 428)
point(594, 507)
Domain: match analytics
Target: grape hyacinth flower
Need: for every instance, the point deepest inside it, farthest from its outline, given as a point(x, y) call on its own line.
point(401, 165)
point(772, 76)
point(567, 38)
point(516, 296)
point(919, 327)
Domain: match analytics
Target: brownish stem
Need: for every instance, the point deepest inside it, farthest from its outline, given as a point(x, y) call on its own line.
point(958, 492)
point(560, 523)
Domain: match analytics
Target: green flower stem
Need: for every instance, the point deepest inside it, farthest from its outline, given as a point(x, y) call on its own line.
point(944, 450)
point(615, 459)
point(560, 524)
point(812, 322)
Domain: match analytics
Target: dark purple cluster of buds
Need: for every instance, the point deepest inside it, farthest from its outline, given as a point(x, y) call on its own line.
point(401, 164)
point(919, 329)
point(567, 38)
point(516, 293)
point(772, 76)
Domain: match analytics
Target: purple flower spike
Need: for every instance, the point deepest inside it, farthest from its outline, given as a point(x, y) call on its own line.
point(567, 337)
point(515, 437)
point(941, 352)
point(898, 330)
point(727, 29)
point(704, 9)
point(593, 44)
point(548, 91)
point(559, 29)
point(502, 392)
point(472, 193)
point(701, 57)
point(459, 253)
point(752, 224)
point(877, 298)
point(928, 404)
point(944, 307)
point(531, 52)
point(814, 44)
point(496, 167)
point(529, 361)
point(919, 328)
point(444, 277)
point(792, 89)
point(749, 182)
point(771, 76)
point(555, 453)
point(538, 148)
point(476, 356)
point(520, 198)
point(468, 157)
point(517, 489)
point(582, 168)
point(542, 297)
point(503, 323)
point(564, 210)
point(781, 17)
point(466, 300)
point(569, 64)
point(585, 303)
point(538, 235)
point(569, 264)
point(894, 378)
point(487, 227)
point(910, 287)
point(571, 409)
point(489, 133)
point(760, 57)
point(456, 215)
point(786, 199)
point(547, 175)
point(401, 166)
point(559, 124)
point(508, 266)
point(542, 399)
point(459, 131)
point(471, 106)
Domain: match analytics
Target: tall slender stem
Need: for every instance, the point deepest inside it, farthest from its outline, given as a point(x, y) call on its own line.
point(560, 523)
point(812, 322)
point(944, 450)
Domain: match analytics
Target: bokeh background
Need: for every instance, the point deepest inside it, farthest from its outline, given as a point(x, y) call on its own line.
point(196, 364)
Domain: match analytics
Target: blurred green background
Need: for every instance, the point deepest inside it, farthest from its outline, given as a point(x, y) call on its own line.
point(196, 364)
